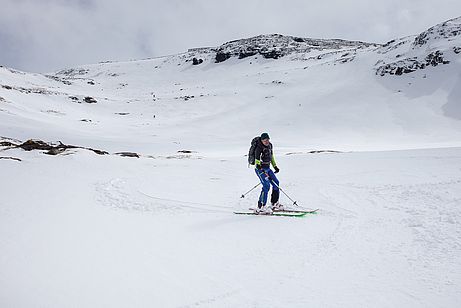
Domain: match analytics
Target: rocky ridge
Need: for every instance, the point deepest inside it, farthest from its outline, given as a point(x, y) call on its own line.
point(430, 48)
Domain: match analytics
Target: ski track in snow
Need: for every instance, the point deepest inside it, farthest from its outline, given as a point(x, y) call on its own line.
point(376, 242)
point(427, 210)
point(424, 215)
point(119, 194)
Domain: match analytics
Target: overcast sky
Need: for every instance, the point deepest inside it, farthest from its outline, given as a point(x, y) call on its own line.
point(46, 35)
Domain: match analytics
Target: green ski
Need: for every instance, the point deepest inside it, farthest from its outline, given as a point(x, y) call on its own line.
point(278, 213)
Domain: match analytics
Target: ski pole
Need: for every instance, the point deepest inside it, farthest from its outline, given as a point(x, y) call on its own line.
point(243, 196)
point(294, 202)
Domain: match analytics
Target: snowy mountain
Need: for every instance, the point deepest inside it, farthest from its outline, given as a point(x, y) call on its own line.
point(426, 49)
point(327, 93)
point(133, 206)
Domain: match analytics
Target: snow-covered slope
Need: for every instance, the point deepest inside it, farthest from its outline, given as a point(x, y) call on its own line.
point(80, 229)
point(104, 231)
point(317, 93)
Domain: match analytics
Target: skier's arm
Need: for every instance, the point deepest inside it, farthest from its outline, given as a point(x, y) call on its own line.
point(273, 162)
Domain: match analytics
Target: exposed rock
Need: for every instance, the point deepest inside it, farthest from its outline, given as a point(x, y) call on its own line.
point(391, 45)
point(7, 144)
point(59, 79)
point(56, 112)
point(196, 61)
point(418, 47)
point(52, 149)
point(435, 59)
point(128, 154)
point(449, 29)
point(222, 56)
point(90, 100)
point(31, 90)
point(56, 150)
point(247, 53)
point(12, 158)
point(73, 72)
point(410, 65)
point(314, 152)
point(186, 97)
point(99, 152)
point(275, 46)
point(32, 144)
point(323, 151)
point(345, 59)
point(273, 54)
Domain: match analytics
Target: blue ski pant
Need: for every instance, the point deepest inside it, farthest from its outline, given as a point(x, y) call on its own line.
point(268, 178)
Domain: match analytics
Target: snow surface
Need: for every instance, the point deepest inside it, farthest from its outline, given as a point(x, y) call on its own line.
point(87, 230)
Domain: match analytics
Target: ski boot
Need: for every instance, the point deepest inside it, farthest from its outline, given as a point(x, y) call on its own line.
point(277, 207)
point(263, 209)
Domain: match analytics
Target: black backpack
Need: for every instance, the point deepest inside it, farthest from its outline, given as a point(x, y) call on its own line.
point(251, 152)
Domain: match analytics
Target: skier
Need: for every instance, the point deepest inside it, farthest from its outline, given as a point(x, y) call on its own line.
point(262, 156)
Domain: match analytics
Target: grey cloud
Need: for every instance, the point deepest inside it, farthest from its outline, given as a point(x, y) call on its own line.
point(45, 35)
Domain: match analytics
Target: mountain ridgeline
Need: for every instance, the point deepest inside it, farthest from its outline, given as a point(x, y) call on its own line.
point(416, 52)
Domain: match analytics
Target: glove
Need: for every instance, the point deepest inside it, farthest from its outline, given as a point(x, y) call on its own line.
point(258, 167)
point(276, 169)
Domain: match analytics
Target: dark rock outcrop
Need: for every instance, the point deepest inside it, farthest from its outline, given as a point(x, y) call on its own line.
point(275, 46)
point(90, 100)
point(222, 56)
point(52, 149)
point(6, 144)
point(59, 79)
point(446, 30)
point(410, 65)
point(32, 144)
point(196, 61)
point(72, 72)
point(30, 90)
point(12, 158)
point(128, 154)
point(185, 97)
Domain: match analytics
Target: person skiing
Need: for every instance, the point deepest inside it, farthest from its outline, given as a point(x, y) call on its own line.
point(263, 158)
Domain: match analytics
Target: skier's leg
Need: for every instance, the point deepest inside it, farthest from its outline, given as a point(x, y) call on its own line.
point(275, 187)
point(265, 187)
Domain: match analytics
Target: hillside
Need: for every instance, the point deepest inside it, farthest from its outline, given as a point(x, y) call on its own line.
point(317, 93)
